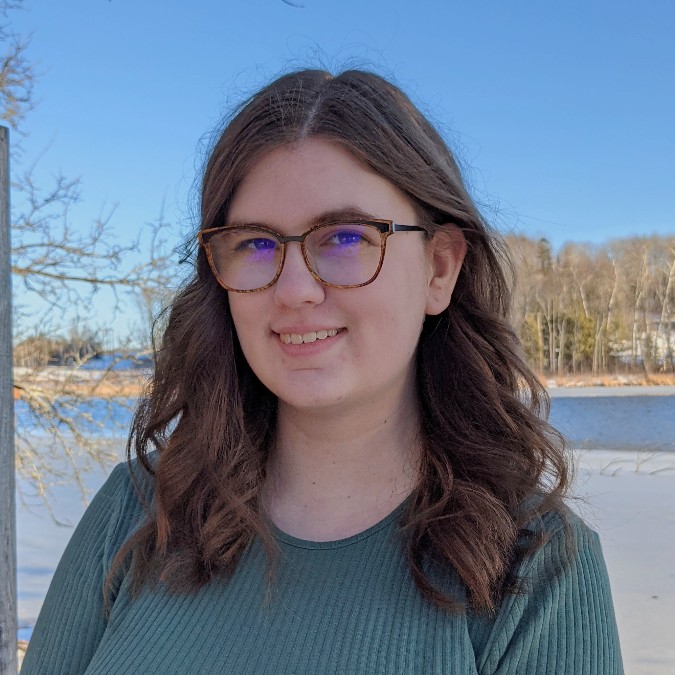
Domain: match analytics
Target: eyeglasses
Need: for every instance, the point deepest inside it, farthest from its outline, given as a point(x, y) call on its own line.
point(247, 258)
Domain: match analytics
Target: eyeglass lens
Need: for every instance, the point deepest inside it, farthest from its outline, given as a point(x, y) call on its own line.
point(341, 254)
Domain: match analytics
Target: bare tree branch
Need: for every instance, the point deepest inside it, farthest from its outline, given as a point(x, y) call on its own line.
point(61, 267)
point(17, 74)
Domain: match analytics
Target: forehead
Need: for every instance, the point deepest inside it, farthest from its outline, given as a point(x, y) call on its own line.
point(293, 185)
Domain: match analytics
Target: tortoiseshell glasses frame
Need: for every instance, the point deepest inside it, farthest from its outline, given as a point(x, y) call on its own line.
point(385, 228)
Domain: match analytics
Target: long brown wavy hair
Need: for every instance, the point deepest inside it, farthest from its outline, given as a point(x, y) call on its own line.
point(491, 464)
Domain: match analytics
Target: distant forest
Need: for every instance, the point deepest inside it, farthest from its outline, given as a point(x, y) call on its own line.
point(597, 309)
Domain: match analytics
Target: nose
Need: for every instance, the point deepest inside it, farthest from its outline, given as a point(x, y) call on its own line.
point(296, 286)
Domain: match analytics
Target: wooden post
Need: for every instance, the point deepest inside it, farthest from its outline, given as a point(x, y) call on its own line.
point(8, 606)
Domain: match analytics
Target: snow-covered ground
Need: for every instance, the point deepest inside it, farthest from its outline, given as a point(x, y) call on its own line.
point(628, 390)
point(629, 499)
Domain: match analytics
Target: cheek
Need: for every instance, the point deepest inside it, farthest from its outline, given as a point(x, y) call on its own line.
point(245, 324)
point(397, 320)
point(236, 313)
point(407, 295)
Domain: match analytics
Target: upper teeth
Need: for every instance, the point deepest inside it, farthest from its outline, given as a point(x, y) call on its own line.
point(313, 336)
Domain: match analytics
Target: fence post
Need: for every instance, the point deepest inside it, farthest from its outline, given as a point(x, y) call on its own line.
point(8, 605)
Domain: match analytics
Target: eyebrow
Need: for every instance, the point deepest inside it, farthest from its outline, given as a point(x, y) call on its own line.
point(347, 214)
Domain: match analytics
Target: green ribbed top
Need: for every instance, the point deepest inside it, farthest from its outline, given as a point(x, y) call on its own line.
point(347, 606)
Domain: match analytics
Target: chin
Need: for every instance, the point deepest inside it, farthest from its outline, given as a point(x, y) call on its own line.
point(307, 399)
point(308, 389)
point(320, 401)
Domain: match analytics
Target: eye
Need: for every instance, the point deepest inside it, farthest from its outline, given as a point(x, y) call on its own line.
point(257, 244)
point(346, 238)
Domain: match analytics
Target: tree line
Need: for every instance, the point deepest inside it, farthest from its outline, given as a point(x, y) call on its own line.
point(607, 308)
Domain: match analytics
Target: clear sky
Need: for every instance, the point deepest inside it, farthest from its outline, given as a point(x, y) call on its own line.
point(563, 114)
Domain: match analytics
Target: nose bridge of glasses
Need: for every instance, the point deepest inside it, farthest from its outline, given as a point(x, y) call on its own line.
point(293, 237)
point(300, 255)
point(296, 282)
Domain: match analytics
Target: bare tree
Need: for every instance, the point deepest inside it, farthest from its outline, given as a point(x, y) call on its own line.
point(64, 267)
point(17, 75)
point(667, 298)
point(596, 308)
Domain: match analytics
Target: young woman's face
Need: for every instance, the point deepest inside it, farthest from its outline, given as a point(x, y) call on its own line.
point(371, 357)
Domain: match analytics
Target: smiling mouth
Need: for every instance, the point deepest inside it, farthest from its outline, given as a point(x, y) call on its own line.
point(312, 336)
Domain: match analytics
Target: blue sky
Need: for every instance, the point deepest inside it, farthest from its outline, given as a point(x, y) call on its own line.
point(561, 113)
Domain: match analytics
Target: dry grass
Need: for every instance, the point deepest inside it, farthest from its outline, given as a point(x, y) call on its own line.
point(21, 647)
point(130, 384)
point(84, 383)
point(588, 380)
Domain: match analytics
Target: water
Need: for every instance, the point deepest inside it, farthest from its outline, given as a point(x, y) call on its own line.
point(108, 418)
point(608, 419)
point(589, 420)
point(616, 422)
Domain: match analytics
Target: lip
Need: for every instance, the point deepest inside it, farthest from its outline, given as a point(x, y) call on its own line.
point(301, 330)
point(307, 348)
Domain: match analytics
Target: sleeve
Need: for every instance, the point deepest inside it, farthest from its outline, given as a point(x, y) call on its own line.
point(72, 619)
point(563, 621)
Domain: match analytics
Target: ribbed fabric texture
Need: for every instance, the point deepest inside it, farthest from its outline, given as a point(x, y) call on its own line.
point(346, 607)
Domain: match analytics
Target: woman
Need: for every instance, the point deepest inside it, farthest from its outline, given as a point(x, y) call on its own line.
point(341, 463)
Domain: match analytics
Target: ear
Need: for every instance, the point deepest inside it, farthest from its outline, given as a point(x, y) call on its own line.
point(446, 252)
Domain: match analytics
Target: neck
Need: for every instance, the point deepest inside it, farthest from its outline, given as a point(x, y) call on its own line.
point(335, 473)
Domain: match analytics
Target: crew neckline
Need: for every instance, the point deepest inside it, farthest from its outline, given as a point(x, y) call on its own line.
point(296, 542)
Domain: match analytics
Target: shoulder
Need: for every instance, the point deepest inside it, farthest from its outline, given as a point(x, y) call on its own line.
point(557, 550)
point(128, 482)
point(73, 616)
point(131, 478)
point(118, 508)
point(560, 614)
point(566, 538)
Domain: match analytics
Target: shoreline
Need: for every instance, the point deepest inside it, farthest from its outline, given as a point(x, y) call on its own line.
point(62, 381)
point(588, 391)
point(607, 380)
